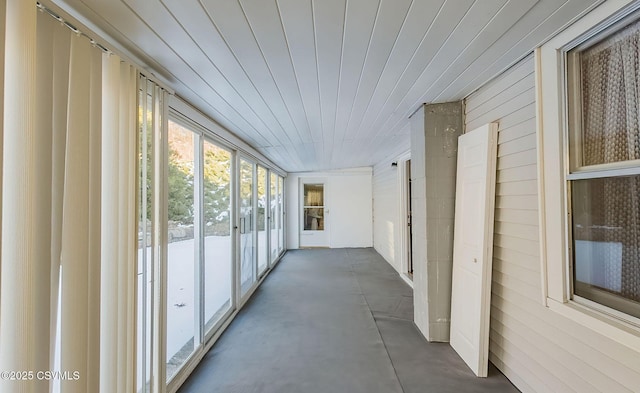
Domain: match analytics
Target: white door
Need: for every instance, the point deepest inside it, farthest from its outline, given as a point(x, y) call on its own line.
point(472, 247)
point(314, 229)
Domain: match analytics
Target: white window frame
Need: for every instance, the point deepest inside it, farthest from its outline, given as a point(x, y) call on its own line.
point(553, 158)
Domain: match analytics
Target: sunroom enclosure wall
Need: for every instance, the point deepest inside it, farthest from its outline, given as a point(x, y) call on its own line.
point(536, 348)
point(218, 195)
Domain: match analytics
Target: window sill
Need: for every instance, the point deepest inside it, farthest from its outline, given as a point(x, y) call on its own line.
point(625, 333)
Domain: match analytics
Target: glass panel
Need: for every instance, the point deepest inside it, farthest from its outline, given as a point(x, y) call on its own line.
point(247, 270)
point(610, 75)
point(314, 194)
point(313, 207)
point(273, 213)
point(182, 310)
point(217, 233)
point(313, 219)
point(149, 125)
point(606, 241)
point(263, 246)
point(281, 214)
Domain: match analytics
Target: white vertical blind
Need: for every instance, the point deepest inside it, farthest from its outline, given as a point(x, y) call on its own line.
point(118, 225)
point(80, 218)
point(19, 323)
point(3, 7)
point(68, 223)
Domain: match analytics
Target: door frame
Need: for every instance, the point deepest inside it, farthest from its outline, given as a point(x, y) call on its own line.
point(403, 212)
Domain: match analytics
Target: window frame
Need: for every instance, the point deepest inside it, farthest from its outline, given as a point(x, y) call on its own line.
point(554, 175)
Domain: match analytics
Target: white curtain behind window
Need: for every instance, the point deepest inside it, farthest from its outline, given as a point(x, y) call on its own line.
point(69, 217)
point(611, 133)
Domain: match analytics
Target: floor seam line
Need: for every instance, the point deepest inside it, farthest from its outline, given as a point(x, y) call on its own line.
point(375, 322)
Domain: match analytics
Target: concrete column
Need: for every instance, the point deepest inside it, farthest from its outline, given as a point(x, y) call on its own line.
point(434, 138)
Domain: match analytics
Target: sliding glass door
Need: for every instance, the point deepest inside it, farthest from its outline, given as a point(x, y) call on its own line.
point(280, 214)
point(182, 300)
point(207, 231)
point(246, 218)
point(273, 217)
point(218, 262)
point(263, 245)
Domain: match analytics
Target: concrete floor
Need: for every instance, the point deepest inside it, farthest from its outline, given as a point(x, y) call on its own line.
point(338, 321)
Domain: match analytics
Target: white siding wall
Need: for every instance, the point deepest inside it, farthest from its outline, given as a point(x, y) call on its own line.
point(539, 350)
point(386, 213)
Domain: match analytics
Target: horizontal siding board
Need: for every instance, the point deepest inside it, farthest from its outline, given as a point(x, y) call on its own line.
point(534, 346)
point(526, 143)
point(507, 279)
point(517, 201)
point(515, 257)
point(579, 338)
point(527, 172)
point(517, 216)
point(495, 103)
point(518, 106)
point(525, 246)
point(385, 212)
point(584, 358)
point(533, 372)
point(521, 158)
point(527, 187)
point(517, 131)
point(501, 83)
point(509, 372)
point(529, 232)
point(517, 117)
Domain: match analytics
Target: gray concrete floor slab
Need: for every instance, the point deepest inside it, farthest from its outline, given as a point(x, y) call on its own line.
point(336, 320)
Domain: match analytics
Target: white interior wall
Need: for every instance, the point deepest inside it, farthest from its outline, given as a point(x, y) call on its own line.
point(349, 201)
point(536, 348)
point(388, 218)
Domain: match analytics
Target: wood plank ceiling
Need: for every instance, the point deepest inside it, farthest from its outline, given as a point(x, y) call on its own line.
point(324, 84)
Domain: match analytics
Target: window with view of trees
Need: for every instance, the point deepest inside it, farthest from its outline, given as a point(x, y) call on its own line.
point(182, 265)
point(188, 236)
point(217, 233)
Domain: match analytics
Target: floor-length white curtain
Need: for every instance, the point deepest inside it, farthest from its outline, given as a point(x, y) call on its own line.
point(21, 271)
point(118, 226)
point(68, 224)
point(611, 102)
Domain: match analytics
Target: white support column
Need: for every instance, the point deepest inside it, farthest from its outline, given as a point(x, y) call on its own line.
point(20, 324)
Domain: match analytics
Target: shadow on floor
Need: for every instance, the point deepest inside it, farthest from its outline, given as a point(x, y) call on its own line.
point(336, 320)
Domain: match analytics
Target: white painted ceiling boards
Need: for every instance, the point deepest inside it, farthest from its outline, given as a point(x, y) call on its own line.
point(324, 84)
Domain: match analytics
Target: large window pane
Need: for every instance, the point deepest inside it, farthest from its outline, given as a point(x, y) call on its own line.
point(609, 77)
point(606, 233)
point(150, 122)
point(273, 213)
point(313, 207)
point(247, 257)
point(604, 121)
point(217, 233)
point(182, 309)
point(263, 247)
point(281, 215)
